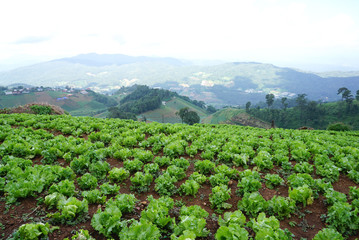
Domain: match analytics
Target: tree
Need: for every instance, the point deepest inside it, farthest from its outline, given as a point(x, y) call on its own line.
point(301, 103)
point(348, 96)
point(115, 112)
point(341, 91)
point(182, 113)
point(270, 99)
point(284, 103)
point(191, 118)
point(187, 116)
point(312, 110)
point(248, 105)
point(211, 109)
point(357, 95)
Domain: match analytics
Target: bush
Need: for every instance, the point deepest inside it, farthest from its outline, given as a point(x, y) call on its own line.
point(41, 110)
point(338, 127)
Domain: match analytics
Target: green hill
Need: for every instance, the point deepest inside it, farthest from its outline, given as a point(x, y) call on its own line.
point(167, 112)
point(235, 117)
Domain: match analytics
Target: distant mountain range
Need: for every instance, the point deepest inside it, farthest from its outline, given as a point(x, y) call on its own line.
point(232, 83)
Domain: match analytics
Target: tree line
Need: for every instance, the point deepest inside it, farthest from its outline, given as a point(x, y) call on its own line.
point(306, 112)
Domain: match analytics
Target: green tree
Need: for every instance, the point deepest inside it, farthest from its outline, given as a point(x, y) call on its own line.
point(191, 118)
point(301, 101)
point(115, 112)
point(348, 96)
point(284, 103)
point(187, 116)
point(182, 113)
point(357, 95)
point(270, 99)
point(312, 110)
point(211, 109)
point(342, 91)
point(248, 105)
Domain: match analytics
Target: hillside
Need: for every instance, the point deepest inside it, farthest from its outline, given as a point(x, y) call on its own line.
point(167, 112)
point(235, 117)
point(157, 105)
point(222, 84)
point(76, 103)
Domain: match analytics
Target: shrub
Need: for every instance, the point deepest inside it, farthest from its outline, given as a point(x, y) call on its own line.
point(339, 126)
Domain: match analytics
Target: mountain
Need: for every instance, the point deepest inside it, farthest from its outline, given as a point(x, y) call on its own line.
point(222, 84)
point(100, 60)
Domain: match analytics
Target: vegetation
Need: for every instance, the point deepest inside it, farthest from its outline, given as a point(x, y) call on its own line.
point(187, 116)
point(82, 173)
point(342, 115)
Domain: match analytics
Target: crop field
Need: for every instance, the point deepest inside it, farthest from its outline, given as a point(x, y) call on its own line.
point(64, 177)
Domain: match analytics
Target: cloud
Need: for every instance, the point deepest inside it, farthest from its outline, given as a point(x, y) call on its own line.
point(32, 40)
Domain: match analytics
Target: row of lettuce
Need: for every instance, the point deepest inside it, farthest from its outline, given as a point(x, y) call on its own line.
point(155, 153)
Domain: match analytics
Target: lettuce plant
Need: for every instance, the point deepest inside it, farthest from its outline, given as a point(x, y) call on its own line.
point(162, 161)
point(252, 204)
point(99, 169)
point(194, 210)
point(263, 160)
point(301, 195)
point(273, 180)
point(133, 165)
point(218, 179)
point(108, 222)
point(33, 231)
point(204, 167)
point(190, 187)
point(118, 174)
point(232, 231)
point(157, 212)
point(64, 187)
point(343, 217)
point(248, 184)
point(191, 224)
point(152, 168)
point(142, 230)
point(268, 228)
point(141, 181)
point(328, 233)
point(94, 196)
point(200, 178)
point(108, 189)
point(87, 181)
point(219, 195)
point(236, 218)
point(281, 207)
point(165, 184)
point(177, 172)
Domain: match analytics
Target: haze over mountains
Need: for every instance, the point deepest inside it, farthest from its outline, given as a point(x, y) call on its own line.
point(220, 84)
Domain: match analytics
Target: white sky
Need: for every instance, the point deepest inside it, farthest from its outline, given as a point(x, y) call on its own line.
point(284, 32)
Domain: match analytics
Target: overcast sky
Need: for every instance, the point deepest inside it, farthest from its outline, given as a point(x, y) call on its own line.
point(295, 33)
